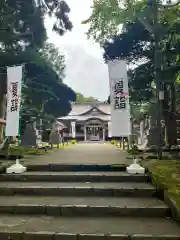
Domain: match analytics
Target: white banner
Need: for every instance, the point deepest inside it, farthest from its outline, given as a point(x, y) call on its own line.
point(119, 95)
point(14, 79)
point(73, 126)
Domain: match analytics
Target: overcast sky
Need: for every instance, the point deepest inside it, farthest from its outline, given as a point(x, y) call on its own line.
point(85, 69)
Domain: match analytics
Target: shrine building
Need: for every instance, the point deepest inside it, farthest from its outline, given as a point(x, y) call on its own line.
point(87, 122)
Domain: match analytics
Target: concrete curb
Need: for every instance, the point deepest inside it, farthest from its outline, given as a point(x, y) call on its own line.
point(44, 235)
point(76, 167)
point(76, 191)
point(84, 210)
point(73, 177)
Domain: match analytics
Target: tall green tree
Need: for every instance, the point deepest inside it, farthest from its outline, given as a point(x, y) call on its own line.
point(24, 21)
point(55, 59)
point(136, 43)
point(44, 93)
point(59, 10)
point(80, 98)
point(23, 41)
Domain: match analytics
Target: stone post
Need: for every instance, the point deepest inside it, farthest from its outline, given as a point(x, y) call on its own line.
point(109, 130)
point(85, 133)
point(73, 128)
point(104, 134)
point(70, 130)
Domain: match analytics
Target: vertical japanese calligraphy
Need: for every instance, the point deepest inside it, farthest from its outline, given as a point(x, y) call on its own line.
point(119, 95)
point(14, 100)
point(14, 78)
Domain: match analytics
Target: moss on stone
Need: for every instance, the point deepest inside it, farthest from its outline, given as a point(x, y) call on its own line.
point(166, 174)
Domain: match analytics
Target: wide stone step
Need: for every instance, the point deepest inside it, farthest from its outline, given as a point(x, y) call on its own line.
point(76, 167)
point(84, 206)
point(77, 189)
point(75, 177)
point(23, 227)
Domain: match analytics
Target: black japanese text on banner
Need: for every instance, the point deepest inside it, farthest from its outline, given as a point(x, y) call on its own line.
point(119, 95)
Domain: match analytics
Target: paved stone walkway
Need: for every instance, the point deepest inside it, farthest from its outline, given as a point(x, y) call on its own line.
point(85, 153)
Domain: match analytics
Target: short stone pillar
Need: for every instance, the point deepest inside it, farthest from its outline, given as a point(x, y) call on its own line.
point(73, 129)
point(109, 130)
point(85, 133)
point(104, 131)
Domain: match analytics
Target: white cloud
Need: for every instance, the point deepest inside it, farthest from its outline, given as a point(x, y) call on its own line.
point(85, 71)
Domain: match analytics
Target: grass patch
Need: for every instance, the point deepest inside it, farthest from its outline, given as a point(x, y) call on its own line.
point(166, 174)
point(22, 151)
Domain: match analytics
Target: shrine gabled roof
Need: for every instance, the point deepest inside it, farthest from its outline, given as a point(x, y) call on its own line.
point(83, 108)
point(78, 109)
point(85, 118)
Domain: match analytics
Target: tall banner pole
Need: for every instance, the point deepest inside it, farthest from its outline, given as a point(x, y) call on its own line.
point(21, 106)
point(120, 107)
point(14, 84)
point(119, 94)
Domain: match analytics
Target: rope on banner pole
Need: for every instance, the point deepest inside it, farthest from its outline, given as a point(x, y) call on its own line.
point(20, 109)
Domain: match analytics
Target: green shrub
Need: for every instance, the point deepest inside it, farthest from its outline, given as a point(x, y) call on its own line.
point(19, 150)
point(113, 141)
point(134, 147)
point(134, 150)
point(151, 157)
point(73, 141)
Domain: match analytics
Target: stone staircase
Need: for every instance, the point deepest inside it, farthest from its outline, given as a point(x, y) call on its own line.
point(82, 202)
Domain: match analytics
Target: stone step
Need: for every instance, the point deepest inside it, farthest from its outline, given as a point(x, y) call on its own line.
point(77, 167)
point(75, 177)
point(84, 206)
point(77, 189)
point(22, 227)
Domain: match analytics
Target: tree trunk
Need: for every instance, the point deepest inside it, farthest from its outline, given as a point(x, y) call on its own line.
point(1, 116)
point(170, 115)
point(173, 123)
point(3, 91)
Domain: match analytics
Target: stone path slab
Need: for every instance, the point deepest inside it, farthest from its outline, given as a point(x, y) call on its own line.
point(152, 226)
